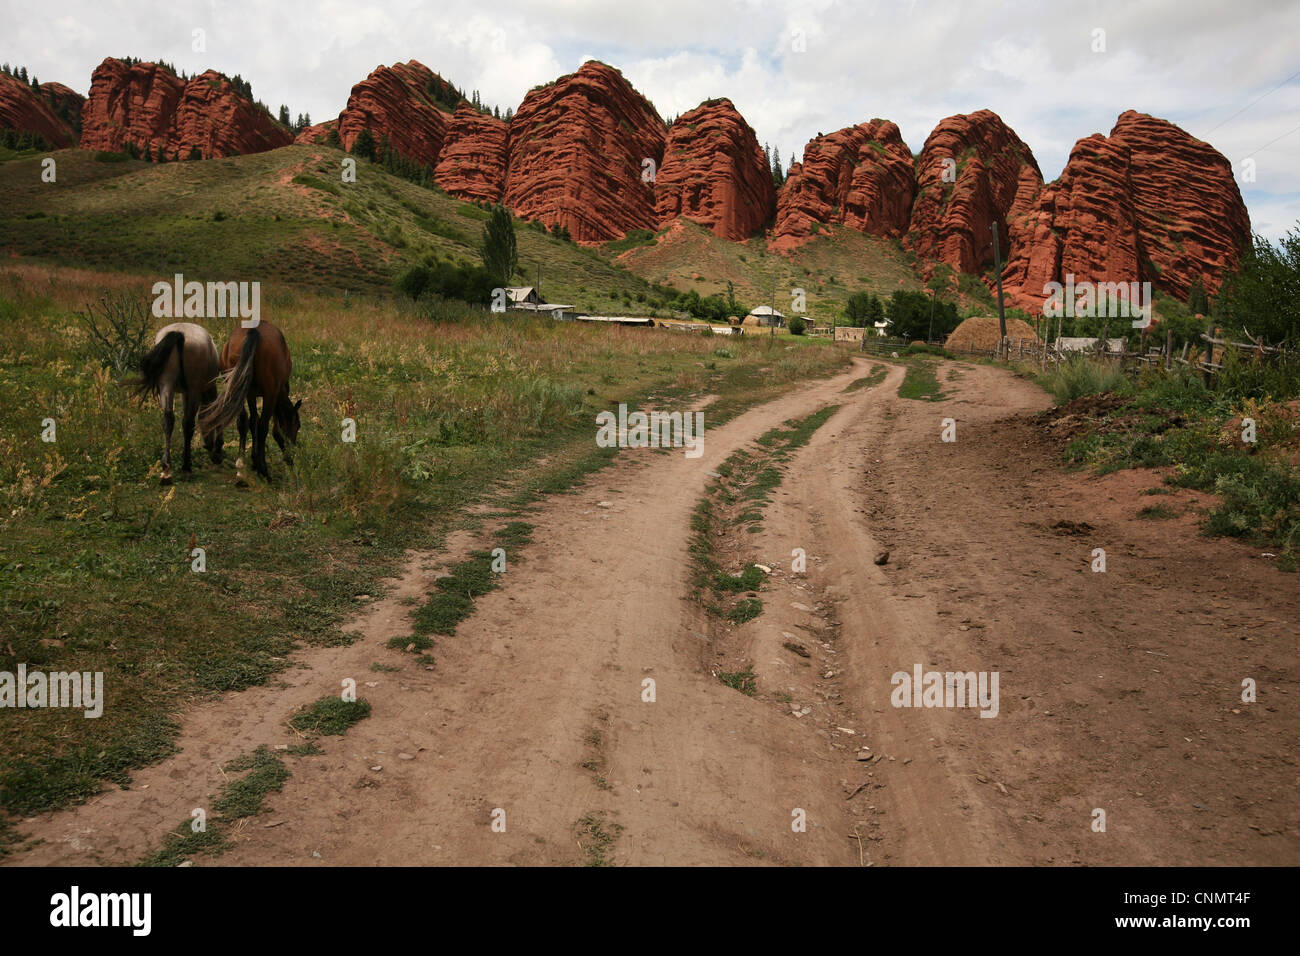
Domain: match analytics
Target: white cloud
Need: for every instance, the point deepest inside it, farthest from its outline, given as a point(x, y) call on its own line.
point(1194, 62)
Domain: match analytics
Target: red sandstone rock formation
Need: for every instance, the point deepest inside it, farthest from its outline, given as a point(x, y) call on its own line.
point(860, 176)
point(28, 111)
point(1149, 203)
point(400, 102)
point(316, 134)
point(1191, 220)
point(1081, 225)
point(472, 164)
point(715, 173)
point(150, 107)
point(972, 171)
point(576, 155)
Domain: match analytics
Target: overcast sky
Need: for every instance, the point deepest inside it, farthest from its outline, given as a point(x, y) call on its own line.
point(793, 69)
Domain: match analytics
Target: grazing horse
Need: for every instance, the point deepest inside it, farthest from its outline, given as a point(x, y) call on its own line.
point(183, 359)
point(255, 363)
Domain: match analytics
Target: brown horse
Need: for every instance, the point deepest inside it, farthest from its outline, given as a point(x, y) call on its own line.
point(183, 359)
point(255, 363)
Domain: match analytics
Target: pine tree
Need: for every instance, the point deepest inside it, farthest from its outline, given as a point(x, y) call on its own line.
point(500, 251)
point(364, 145)
point(22, 73)
point(1197, 301)
point(284, 115)
point(778, 177)
point(510, 113)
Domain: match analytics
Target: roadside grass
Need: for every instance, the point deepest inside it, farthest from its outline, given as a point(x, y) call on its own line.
point(1080, 376)
point(1157, 511)
point(95, 567)
point(743, 681)
point(263, 773)
point(596, 835)
point(871, 379)
point(738, 495)
point(240, 798)
point(330, 716)
point(455, 591)
point(1173, 421)
point(920, 382)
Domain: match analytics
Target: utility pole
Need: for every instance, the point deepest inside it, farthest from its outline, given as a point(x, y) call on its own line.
point(930, 337)
point(771, 336)
point(997, 264)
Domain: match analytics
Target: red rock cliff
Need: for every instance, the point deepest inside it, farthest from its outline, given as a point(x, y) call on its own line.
point(1149, 203)
point(715, 173)
point(575, 155)
point(860, 176)
point(472, 164)
point(149, 106)
point(992, 175)
point(399, 102)
point(29, 111)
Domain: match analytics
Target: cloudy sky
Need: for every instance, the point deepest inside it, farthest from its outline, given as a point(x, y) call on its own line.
point(1228, 72)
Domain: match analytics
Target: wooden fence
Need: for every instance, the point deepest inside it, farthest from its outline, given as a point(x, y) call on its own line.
point(1166, 354)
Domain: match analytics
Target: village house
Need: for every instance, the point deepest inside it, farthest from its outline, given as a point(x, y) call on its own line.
point(527, 299)
point(764, 316)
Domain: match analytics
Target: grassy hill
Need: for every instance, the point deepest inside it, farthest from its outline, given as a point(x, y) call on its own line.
point(829, 269)
point(286, 217)
point(282, 216)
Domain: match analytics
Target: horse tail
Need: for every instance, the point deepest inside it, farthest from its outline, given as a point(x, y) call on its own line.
point(155, 362)
point(225, 409)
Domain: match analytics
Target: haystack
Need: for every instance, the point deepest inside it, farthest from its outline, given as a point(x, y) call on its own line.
point(980, 333)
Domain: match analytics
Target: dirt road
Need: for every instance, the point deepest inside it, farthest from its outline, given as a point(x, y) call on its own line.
point(1119, 691)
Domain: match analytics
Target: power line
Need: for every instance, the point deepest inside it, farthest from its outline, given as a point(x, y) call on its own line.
point(1252, 103)
point(1272, 141)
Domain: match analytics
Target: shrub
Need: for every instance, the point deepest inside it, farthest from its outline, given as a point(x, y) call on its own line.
point(797, 325)
point(414, 281)
point(118, 327)
point(1080, 376)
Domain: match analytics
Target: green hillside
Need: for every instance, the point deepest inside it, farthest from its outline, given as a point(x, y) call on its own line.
point(286, 216)
point(829, 269)
point(281, 216)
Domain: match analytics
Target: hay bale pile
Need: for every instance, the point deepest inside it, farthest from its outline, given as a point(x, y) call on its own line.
point(980, 333)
